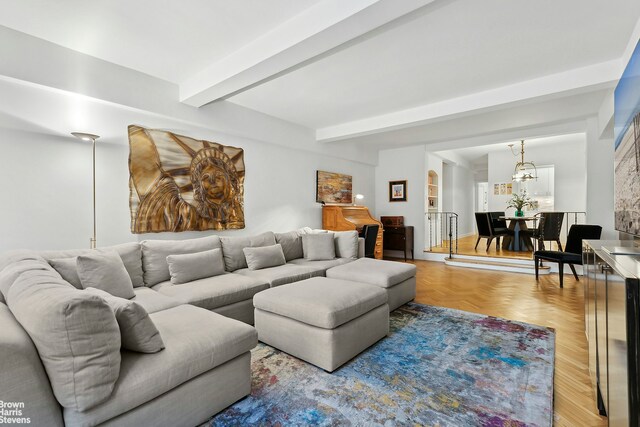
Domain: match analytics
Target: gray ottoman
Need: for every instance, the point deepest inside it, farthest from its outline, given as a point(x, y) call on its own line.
point(325, 322)
point(397, 278)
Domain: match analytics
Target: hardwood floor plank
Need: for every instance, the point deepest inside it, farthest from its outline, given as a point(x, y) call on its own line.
point(519, 297)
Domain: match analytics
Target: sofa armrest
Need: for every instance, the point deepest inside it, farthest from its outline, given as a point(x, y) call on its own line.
point(22, 375)
point(360, 247)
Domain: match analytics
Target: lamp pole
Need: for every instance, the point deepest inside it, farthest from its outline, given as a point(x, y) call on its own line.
point(91, 137)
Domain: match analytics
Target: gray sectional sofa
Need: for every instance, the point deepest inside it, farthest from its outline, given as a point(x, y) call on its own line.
point(62, 349)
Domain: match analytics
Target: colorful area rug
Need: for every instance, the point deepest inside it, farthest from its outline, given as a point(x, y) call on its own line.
point(438, 367)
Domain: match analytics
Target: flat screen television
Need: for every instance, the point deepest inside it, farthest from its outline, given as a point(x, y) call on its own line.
point(627, 148)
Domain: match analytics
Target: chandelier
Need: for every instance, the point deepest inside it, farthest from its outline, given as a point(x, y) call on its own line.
point(524, 171)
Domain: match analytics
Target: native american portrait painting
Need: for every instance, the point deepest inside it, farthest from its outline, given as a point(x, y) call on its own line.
point(179, 183)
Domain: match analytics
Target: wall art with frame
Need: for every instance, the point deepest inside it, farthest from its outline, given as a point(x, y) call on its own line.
point(398, 191)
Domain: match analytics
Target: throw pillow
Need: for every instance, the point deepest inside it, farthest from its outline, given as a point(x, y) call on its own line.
point(137, 331)
point(232, 248)
point(105, 271)
point(318, 247)
point(264, 257)
point(188, 267)
point(155, 253)
point(68, 269)
point(346, 244)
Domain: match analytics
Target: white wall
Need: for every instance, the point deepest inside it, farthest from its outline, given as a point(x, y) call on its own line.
point(463, 195)
point(400, 164)
point(46, 173)
point(600, 181)
point(569, 160)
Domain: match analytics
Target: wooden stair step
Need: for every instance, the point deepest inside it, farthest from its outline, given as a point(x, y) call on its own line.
point(495, 265)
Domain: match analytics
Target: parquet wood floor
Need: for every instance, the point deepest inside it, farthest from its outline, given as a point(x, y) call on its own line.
point(519, 297)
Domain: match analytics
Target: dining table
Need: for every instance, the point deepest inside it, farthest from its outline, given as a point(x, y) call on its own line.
point(518, 242)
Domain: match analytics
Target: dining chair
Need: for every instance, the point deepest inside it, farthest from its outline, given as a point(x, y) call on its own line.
point(572, 254)
point(487, 230)
point(549, 228)
point(370, 234)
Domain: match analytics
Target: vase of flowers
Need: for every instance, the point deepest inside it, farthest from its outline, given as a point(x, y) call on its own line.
point(520, 201)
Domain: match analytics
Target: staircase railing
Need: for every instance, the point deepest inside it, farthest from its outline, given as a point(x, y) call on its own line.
point(443, 231)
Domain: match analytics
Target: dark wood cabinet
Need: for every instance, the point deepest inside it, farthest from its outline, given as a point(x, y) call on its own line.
point(399, 238)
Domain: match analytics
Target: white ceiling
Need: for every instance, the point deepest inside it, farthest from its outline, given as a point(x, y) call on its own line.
point(171, 40)
point(367, 58)
point(465, 46)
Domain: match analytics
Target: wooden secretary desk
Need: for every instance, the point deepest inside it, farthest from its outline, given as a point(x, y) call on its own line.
point(344, 218)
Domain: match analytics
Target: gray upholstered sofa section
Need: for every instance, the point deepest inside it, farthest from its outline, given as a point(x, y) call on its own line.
point(209, 364)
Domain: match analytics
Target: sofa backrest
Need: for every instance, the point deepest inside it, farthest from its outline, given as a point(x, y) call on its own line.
point(155, 253)
point(232, 248)
point(130, 253)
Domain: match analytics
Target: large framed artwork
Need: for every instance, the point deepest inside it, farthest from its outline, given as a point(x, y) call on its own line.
point(627, 148)
point(334, 188)
point(178, 183)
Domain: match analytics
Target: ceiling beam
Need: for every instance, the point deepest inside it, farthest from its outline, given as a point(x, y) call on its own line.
point(314, 32)
point(575, 81)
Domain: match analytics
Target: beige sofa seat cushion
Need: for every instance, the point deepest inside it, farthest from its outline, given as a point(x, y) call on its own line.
point(232, 248)
point(213, 292)
point(282, 274)
point(325, 303)
point(374, 271)
point(130, 253)
point(323, 265)
point(196, 341)
point(155, 253)
point(153, 301)
point(76, 335)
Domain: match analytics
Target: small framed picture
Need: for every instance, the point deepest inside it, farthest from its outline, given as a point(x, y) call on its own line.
point(398, 191)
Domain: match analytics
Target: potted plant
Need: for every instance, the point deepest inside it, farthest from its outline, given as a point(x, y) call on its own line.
point(520, 201)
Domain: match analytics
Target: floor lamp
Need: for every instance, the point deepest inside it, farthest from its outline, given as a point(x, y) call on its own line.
point(91, 138)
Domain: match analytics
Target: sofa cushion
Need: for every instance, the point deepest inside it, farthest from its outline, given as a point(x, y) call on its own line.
point(68, 269)
point(105, 271)
point(75, 332)
point(325, 303)
point(153, 301)
point(282, 274)
point(155, 253)
point(21, 262)
point(374, 271)
point(196, 341)
point(188, 267)
point(263, 257)
point(232, 248)
point(213, 292)
point(319, 246)
point(323, 265)
point(346, 244)
point(291, 243)
point(130, 253)
point(137, 331)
